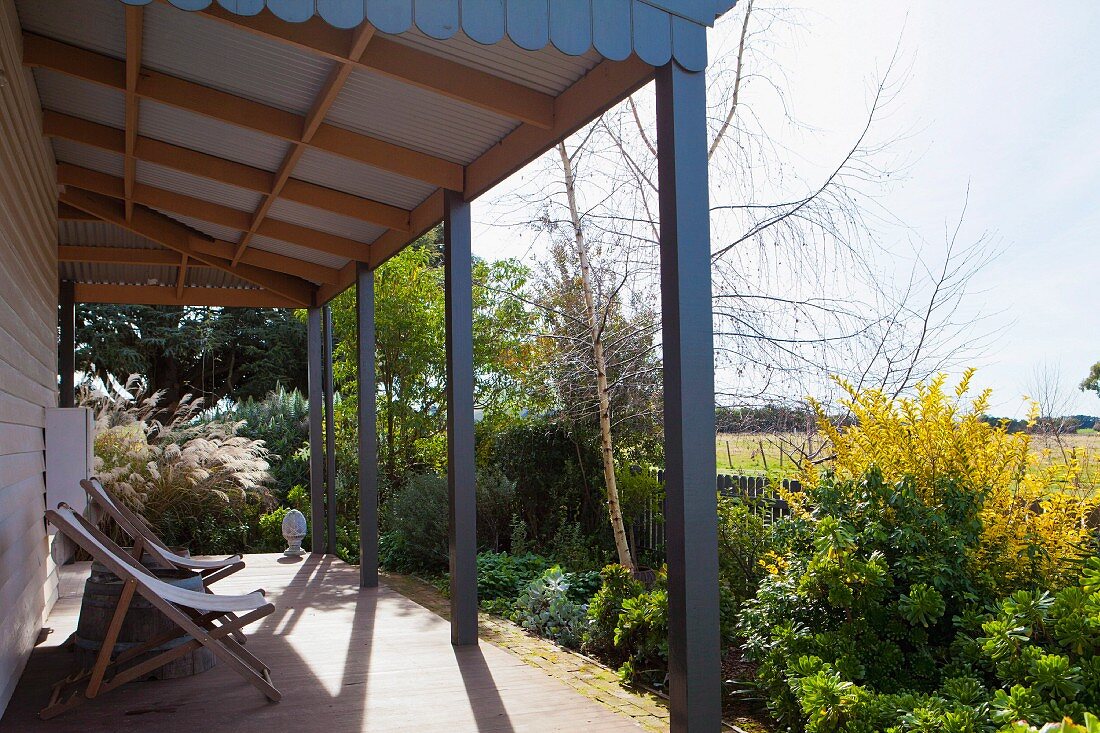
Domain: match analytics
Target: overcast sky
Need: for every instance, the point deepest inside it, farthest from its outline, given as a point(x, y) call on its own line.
point(1003, 97)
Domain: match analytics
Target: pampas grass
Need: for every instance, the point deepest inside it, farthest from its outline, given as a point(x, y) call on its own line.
point(193, 481)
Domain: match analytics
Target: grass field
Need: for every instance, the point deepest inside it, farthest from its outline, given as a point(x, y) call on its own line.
point(756, 452)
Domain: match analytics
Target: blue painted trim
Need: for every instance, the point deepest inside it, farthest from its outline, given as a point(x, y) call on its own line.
point(571, 26)
point(342, 13)
point(483, 20)
point(656, 30)
point(437, 18)
point(611, 30)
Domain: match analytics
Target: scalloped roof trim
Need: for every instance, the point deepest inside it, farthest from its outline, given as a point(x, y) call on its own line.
point(656, 30)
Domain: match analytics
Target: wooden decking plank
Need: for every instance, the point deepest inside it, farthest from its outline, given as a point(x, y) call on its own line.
point(345, 659)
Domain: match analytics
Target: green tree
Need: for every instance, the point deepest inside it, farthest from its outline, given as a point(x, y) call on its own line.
point(409, 322)
point(1091, 383)
point(209, 352)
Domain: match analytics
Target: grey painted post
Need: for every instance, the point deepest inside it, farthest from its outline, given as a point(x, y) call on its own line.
point(368, 435)
point(691, 520)
point(316, 447)
point(66, 346)
point(330, 437)
point(460, 418)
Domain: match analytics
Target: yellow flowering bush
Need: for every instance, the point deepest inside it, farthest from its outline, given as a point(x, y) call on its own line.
point(1034, 511)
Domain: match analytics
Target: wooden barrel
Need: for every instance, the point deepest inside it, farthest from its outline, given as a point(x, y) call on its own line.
point(143, 622)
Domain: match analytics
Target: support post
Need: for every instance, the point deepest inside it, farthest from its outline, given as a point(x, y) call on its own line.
point(458, 266)
point(368, 434)
point(66, 345)
point(691, 520)
point(330, 437)
point(316, 440)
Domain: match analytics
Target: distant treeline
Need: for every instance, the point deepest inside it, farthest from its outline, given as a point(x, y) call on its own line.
point(1063, 424)
point(790, 419)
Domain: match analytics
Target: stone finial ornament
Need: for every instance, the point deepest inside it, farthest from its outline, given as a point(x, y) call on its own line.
point(294, 531)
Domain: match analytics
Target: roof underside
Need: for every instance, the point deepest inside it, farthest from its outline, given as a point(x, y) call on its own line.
point(211, 158)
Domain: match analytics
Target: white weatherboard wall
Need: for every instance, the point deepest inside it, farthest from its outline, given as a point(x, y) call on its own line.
point(28, 356)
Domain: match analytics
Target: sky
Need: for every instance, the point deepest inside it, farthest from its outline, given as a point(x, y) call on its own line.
point(1000, 108)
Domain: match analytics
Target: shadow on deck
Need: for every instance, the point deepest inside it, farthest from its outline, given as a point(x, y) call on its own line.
point(345, 659)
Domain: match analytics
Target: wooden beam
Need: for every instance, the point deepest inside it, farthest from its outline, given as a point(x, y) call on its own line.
point(176, 236)
point(67, 127)
point(68, 213)
point(405, 64)
point(161, 295)
point(216, 248)
point(135, 19)
point(181, 277)
point(595, 92)
point(116, 255)
point(178, 203)
point(42, 52)
point(314, 118)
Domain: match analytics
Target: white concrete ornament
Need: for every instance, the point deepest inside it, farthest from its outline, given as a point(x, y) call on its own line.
point(294, 531)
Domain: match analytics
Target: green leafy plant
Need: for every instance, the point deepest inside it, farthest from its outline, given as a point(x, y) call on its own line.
point(545, 608)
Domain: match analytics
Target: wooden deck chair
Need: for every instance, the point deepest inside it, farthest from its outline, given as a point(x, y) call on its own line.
point(203, 616)
point(210, 570)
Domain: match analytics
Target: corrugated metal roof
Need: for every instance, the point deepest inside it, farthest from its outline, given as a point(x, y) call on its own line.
point(197, 186)
point(100, 234)
point(548, 70)
point(90, 101)
point(415, 118)
point(104, 161)
point(324, 221)
point(211, 230)
point(113, 274)
point(206, 135)
point(102, 24)
point(210, 277)
point(198, 48)
point(293, 250)
point(348, 176)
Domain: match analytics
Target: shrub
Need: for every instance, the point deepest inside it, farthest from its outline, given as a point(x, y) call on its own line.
point(618, 585)
point(415, 524)
point(495, 503)
point(742, 542)
point(502, 577)
point(281, 421)
point(270, 530)
point(545, 608)
point(1033, 513)
point(641, 632)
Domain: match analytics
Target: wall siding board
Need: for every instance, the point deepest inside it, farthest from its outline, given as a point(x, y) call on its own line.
point(28, 355)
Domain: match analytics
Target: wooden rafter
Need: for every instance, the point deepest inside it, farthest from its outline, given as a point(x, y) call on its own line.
point(135, 20)
point(42, 52)
point(175, 236)
point(184, 205)
point(408, 65)
point(67, 127)
point(605, 85)
point(317, 113)
point(181, 276)
point(216, 248)
point(163, 295)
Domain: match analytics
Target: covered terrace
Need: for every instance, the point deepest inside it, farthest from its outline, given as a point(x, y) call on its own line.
point(274, 154)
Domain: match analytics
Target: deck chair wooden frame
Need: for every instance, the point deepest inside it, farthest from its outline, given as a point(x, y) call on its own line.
point(133, 525)
point(203, 616)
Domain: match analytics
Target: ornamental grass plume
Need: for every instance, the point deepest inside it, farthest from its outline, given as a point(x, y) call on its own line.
point(1035, 511)
point(180, 469)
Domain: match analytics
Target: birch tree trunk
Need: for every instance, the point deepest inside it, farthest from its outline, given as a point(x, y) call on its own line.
point(614, 509)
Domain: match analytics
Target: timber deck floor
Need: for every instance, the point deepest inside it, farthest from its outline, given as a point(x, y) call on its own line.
point(345, 659)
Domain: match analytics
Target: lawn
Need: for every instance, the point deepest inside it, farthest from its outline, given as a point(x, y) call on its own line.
point(752, 453)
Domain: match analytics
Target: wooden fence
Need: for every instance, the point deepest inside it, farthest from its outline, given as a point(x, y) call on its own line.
point(757, 491)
